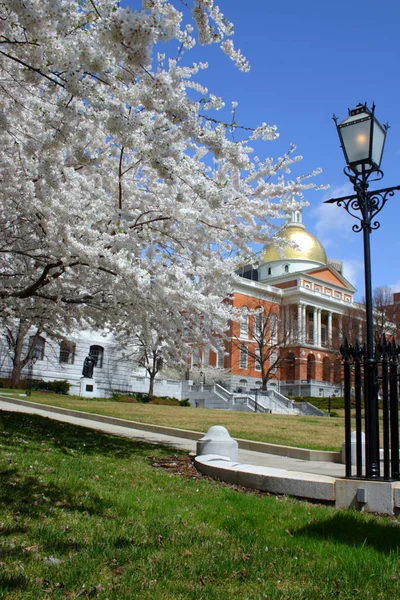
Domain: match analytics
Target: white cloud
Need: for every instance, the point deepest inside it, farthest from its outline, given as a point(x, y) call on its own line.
point(353, 271)
point(332, 223)
point(395, 287)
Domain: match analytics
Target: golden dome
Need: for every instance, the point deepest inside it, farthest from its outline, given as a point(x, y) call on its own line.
point(308, 247)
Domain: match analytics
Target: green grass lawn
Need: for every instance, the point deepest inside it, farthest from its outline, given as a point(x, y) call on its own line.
point(85, 515)
point(321, 433)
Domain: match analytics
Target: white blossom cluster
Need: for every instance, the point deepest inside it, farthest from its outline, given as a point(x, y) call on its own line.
point(122, 199)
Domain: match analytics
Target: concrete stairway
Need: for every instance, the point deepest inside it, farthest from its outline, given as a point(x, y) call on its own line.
point(216, 396)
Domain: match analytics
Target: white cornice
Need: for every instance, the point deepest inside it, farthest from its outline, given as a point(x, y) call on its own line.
point(256, 288)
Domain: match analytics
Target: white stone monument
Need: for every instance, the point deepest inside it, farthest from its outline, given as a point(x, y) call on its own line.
point(218, 441)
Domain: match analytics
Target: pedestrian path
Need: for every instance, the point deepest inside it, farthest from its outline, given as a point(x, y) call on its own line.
point(174, 441)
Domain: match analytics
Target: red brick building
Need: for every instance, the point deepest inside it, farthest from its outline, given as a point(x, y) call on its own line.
point(302, 301)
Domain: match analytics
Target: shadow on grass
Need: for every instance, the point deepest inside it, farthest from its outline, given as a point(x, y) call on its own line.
point(17, 429)
point(9, 583)
point(347, 528)
point(28, 496)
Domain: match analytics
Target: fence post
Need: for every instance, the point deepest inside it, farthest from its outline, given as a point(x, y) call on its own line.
point(359, 352)
point(394, 409)
point(345, 350)
point(383, 351)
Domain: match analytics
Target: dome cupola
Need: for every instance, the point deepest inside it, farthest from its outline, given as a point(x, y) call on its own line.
point(294, 231)
point(304, 249)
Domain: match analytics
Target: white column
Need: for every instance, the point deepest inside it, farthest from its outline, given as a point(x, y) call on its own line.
point(289, 322)
point(319, 327)
point(315, 327)
point(304, 323)
point(340, 327)
point(299, 324)
point(329, 328)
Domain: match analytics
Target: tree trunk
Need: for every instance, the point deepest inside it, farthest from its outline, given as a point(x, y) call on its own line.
point(18, 361)
point(16, 373)
point(151, 386)
point(20, 343)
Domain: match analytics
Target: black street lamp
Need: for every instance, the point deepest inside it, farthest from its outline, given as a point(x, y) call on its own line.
point(362, 139)
point(32, 362)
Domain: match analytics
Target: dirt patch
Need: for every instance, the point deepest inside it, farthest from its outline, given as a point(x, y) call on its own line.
point(178, 465)
point(183, 465)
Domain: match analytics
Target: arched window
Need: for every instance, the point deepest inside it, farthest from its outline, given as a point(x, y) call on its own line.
point(310, 367)
point(286, 268)
point(67, 352)
point(244, 322)
point(258, 322)
point(337, 371)
point(98, 353)
point(38, 344)
point(289, 367)
point(273, 325)
point(326, 369)
point(269, 270)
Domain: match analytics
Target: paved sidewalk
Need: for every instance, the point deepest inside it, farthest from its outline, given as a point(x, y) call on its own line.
point(245, 456)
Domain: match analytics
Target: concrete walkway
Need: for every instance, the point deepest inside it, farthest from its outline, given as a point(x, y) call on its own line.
point(173, 439)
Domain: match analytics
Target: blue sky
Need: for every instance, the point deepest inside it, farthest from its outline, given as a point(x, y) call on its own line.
point(311, 59)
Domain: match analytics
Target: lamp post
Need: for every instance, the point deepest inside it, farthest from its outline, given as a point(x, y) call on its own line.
point(32, 362)
point(255, 390)
point(362, 139)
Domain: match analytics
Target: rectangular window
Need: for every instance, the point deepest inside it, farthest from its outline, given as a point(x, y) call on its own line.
point(272, 362)
point(323, 335)
point(243, 356)
point(205, 357)
point(195, 358)
point(38, 350)
point(220, 358)
point(67, 352)
point(257, 360)
point(98, 353)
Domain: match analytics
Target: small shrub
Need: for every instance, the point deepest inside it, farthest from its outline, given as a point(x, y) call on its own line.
point(58, 387)
point(142, 398)
point(184, 402)
point(334, 413)
point(322, 402)
point(6, 383)
point(128, 398)
point(116, 397)
point(165, 401)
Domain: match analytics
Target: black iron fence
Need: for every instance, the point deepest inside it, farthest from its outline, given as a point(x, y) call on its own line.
point(384, 370)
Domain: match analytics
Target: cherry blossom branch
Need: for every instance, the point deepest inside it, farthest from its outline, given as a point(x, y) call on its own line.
point(31, 68)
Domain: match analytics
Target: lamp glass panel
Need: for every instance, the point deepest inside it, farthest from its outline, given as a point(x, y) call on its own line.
point(356, 140)
point(378, 143)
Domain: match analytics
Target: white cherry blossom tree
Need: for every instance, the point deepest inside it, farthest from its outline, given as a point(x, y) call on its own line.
point(116, 171)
